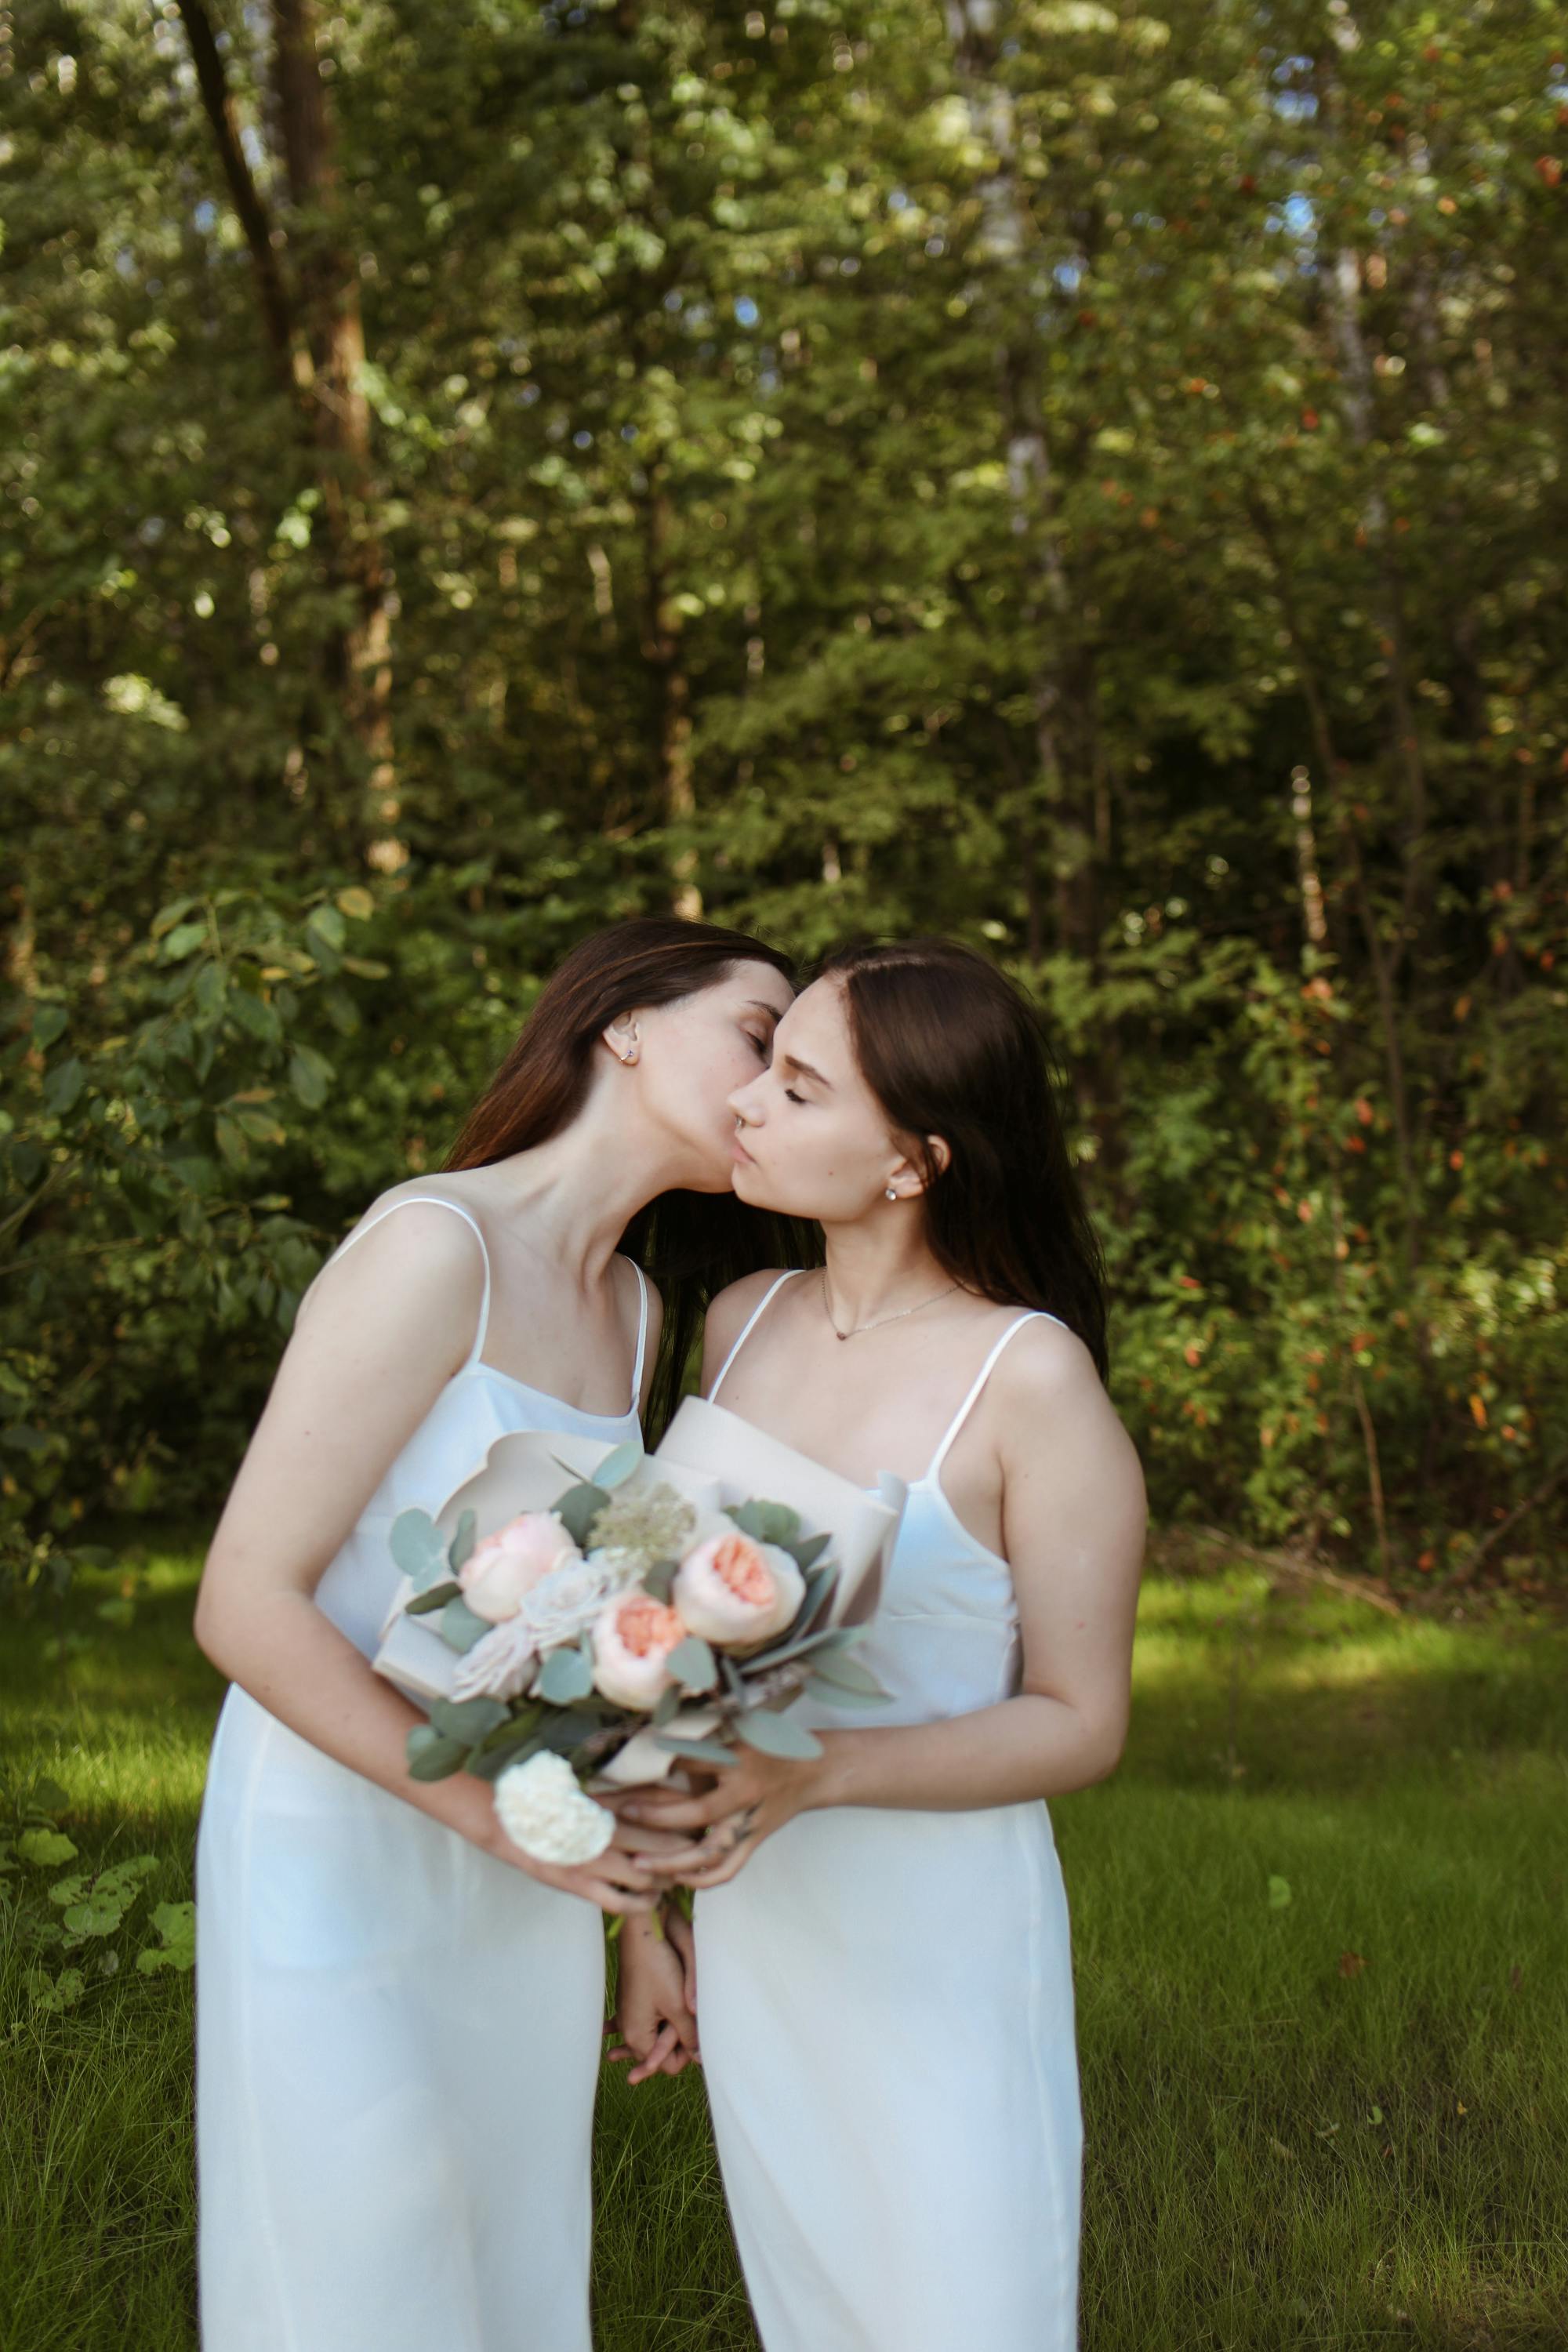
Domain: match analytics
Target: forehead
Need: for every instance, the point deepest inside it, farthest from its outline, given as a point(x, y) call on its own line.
point(754, 984)
point(816, 1028)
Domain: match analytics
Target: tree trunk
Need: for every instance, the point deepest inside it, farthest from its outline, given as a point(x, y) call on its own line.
point(334, 328)
point(672, 690)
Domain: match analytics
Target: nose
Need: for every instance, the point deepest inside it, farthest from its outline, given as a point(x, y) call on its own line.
point(743, 1108)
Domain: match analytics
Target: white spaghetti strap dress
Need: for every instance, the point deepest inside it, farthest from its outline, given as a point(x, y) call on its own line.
point(397, 2036)
point(886, 2001)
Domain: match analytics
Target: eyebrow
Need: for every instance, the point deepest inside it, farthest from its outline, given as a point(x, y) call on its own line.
point(804, 1070)
point(760, 1004)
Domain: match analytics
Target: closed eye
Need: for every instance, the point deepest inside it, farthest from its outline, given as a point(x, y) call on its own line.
point(765, 1046)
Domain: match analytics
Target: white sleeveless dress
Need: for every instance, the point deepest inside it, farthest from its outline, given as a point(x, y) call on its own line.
point(885, 2005)
point(398, 2037)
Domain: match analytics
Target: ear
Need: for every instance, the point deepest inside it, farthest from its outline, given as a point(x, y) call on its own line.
point(621, 1037)
point(909, 1179)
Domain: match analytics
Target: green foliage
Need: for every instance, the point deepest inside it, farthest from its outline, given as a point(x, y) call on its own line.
point(1081, 480)
point(52, 1922)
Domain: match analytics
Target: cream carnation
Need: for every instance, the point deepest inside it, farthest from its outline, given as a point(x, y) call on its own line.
point(503, 1566)
point(541, 1809)
point(499, 1665)
point(734, 1590)
point(633, 1638)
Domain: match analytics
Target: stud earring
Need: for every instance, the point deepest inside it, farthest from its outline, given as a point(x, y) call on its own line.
point(891, 1193)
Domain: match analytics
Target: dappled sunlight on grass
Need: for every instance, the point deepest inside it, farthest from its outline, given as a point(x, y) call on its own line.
point(1319, 1985)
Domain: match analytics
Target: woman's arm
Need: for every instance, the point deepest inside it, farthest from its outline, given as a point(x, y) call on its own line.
point(1074, 1521)
point(655, 1996)
point(386, 1326)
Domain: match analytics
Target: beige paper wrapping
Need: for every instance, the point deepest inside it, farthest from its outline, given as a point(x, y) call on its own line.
point(522, 1471)
point(746, 1463)
point(713, 1458)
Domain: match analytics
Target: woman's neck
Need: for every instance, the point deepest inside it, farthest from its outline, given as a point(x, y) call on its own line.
point(879, 1264)
point(572, 1197)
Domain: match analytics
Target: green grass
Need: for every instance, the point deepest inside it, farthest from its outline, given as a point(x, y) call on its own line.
point(1406, 1781)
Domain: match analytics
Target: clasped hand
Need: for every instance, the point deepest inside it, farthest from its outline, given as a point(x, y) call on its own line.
point(740, 1806)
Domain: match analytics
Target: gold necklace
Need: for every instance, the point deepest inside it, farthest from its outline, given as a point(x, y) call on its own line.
point(856, 1329)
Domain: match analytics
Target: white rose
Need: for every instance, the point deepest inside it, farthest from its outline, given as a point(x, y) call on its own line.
point(500, 1665)
point(503, 1566)
point(543, 1810)
point(734, 1590)
point(563, 1605)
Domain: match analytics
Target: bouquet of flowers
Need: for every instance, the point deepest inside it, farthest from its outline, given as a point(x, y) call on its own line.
point(577, 1614)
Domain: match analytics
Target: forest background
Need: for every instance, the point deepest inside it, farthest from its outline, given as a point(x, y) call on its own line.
point(1085, 481)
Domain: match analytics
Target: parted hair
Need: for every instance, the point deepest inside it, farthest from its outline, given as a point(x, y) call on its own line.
point(950, 1047)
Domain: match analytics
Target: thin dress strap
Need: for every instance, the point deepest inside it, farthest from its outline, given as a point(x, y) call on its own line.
point(746, 1327)
point(1031, 1314)
point(434, 1201)
point(642, 1331)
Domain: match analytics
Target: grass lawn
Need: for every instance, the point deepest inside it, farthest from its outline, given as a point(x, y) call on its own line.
point(1318, 1923)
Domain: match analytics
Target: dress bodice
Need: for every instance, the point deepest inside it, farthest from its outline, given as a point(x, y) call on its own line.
point(476, 1406)
point(945, 1639)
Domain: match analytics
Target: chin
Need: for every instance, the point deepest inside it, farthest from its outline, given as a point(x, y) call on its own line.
point(750, 1184)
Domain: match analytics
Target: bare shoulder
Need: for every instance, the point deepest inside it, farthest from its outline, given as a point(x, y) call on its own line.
point(726, 1315)
point(423, 1253)
point(1049, 1396)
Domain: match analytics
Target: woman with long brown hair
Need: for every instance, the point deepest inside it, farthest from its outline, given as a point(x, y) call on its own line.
point(882, 1955)
point(399, 2013)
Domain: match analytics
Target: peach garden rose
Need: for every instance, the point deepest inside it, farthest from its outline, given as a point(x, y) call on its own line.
point(734, 1589)
point(504, 1567)
point(633, 1638)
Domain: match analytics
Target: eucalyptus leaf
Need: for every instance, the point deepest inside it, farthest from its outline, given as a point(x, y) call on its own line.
point(522, 1722)
point(659, 1580)
point(417, 1548)
point(734, 1681)
point(825, 1637)
point(462, 1543)
point(617, 1466)
point(819, 1584)
point(431, 1757)
point(774, 1523)
point(808, 1551)
point(436, 1598)
point(566, 1674)
point(841, 1668)
point(567, 1729)
point(703, 1751)
point(489, 1763)
point(667, 1708)
point(578, 1508)
point(468, 1719)
point(777, 1735)
point(459, 1628)
point(693, 1665)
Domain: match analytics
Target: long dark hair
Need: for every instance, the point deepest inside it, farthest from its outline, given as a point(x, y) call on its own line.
point(950, 1047)
point(692, 1244)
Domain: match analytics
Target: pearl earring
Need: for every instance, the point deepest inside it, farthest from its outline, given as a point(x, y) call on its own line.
point(892, 1194)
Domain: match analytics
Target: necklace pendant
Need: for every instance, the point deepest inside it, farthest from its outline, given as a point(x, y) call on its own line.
point(841, 1334)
